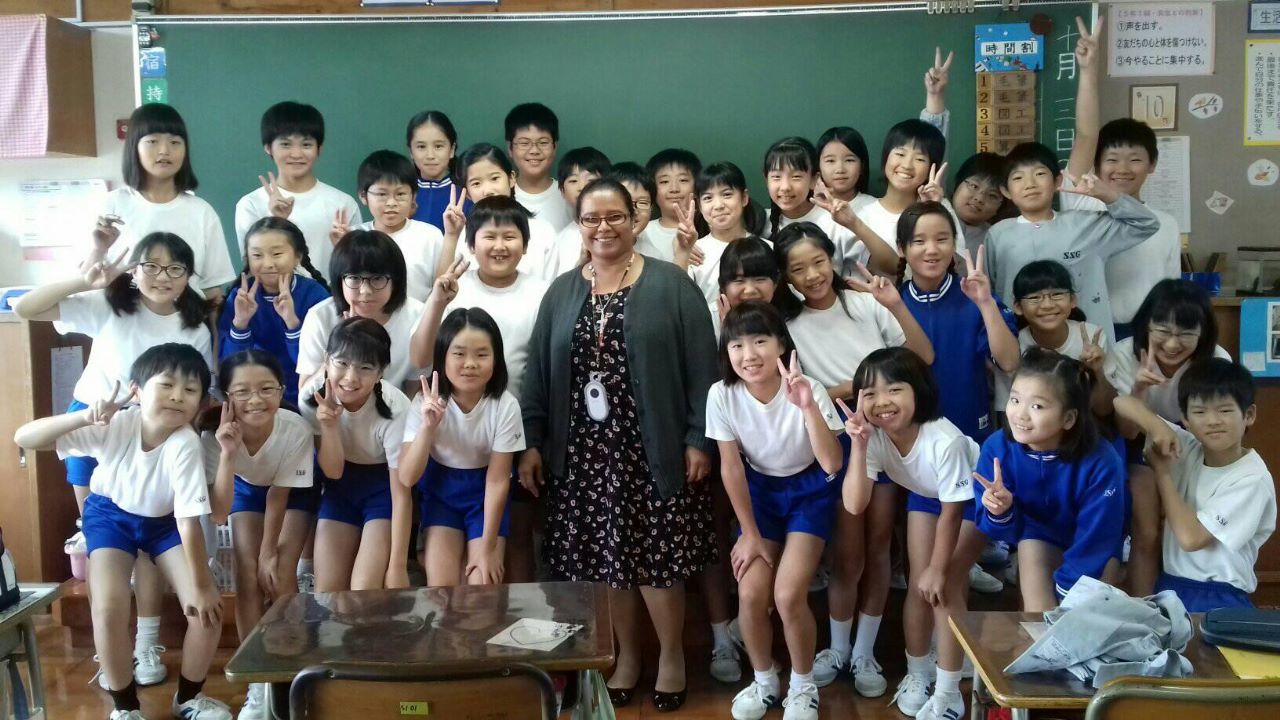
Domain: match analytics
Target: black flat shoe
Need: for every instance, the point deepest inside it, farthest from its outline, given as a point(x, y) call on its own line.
point(669, 701)
point(621, 697)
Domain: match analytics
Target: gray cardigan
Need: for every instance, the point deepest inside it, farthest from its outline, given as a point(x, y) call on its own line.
point(671, 352)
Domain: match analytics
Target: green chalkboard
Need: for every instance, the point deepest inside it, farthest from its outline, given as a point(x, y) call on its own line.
point(724, 87)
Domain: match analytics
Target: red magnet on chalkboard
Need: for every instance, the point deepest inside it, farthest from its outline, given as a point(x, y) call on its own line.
point(122, 128)
point(1041, 24)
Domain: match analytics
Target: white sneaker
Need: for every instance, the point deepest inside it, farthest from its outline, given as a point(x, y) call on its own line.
point(255, 703)
point(912, 694)
point(996, 553)
point(826, 666)
point(126, 715)
point(726, 665)
point(735, 634)
point(306, 582)
point(867, 679)
point(753, 702)
point(801, 703)
point(147, 668)
point(201, 707)
point(983, 581)
point(942, 707)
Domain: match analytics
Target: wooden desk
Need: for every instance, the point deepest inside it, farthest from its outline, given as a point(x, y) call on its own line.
point(445, 628)
point(18, 628)
point(992, 640)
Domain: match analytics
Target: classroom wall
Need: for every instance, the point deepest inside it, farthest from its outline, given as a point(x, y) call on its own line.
point(113, 99)
point(1219, 156)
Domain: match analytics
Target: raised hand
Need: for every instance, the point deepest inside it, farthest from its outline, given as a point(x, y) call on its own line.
point(245, 303)
point(446, 286)
point(1092, 355)
point(340, 226)
point(880, 288)
point(101, 274)
point(105, 233)
point(103, 409)
point(277, 203)
point(433, 408)
point(228, 434)
point(1087, 45)
point(997, 499)
point(976, 285)
point(722, 306)
point(932, 190)
point(455, 221)
point(1090, 185)
point(937, 77)
point(856, 424)
point(686, 231)
point(798, 390)
point(284, 302)
point(1148, 373)
point(839, 209)
point(328, 409)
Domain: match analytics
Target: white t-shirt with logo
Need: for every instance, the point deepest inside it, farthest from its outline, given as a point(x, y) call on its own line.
point(771, 435)
point(465, 441)
point(939, 465)
point(284, 460)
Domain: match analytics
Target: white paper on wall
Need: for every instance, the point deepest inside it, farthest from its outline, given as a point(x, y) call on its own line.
point(1160, 39)
point(1169, 187)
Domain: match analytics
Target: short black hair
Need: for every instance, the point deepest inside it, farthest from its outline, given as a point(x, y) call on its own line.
point(292, 118)
point(177, 358)
point(1183, 303)
point(679, 157)
point(1126, 132)
point(986, 167)
point(898, 364)
point(753, 317)
point(1074, 385)
point(1214, 378)
point(372, 252)
point(582, 159)
point(631, 172)
point(1040, 275)
point(853, 140)
point(123, 294)
point(532, 115)
point(454, 323)
point(748, 257)
point(386, 166)
point(152, 119)
point(253, 356)
point(914, 133)
point(497, 210)
point(1028, 154)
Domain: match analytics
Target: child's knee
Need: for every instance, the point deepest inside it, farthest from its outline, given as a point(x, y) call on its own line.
point(754, 594)
point(792, 602)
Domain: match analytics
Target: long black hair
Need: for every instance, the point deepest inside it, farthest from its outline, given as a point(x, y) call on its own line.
point(124, 296)
point(441, 121)
point(1185, 305)
point(454, 323)
point(152, 119)
point(789, 237)
point(726, 174)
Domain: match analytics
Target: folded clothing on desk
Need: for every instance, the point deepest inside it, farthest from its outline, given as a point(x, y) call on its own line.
point(1100, 633)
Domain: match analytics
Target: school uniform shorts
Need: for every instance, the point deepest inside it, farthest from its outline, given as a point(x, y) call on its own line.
point(361, 495)
point(1204, 595)
point(933, 506)
point(451, 497)
point(105, 525)
point(804, 502)
point(79, 469)
point(253, 498)
point(846, 446)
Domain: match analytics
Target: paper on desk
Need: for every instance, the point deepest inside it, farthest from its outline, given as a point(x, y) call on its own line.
point(534, 634)
point(1251, 664)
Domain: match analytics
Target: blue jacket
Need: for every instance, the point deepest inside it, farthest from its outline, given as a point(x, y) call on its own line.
point(267, 331)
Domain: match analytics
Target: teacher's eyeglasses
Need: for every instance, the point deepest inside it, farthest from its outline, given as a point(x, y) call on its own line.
point(612, 219)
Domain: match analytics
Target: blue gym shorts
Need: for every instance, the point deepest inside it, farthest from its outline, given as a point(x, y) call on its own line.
point(253, 498)
point(933, 506)
point(107, 526)
point(362, 494)
point(1204, 595)
point(79, 469)
point(804, 502)
point(455, 498)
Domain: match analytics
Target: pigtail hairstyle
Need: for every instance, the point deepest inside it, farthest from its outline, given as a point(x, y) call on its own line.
point(360, 340)
point(790, 236)
point(1073, 382)
point(752, 317)
point(296, 240)
point(1183, 304)
point(791, 153)
point(454, 323)
point(898, 364)
point(483, 151)
point(907, 229)
point(123, 295)
point(209, 420)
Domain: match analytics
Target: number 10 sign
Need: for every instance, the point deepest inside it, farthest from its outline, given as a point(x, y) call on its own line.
point(1155, 105)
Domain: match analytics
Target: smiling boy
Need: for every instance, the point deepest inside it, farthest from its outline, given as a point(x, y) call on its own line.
point(533, 132)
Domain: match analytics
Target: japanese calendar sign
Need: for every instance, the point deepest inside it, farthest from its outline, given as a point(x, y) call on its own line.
point(1007, 48)
point(1161, 40)
point(155, 90)
point(1262, 92)
point(1006, 109)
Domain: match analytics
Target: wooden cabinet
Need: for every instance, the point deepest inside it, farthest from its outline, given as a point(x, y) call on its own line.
point(54, 89)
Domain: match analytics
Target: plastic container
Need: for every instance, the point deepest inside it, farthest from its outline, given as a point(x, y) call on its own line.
point(76, 549)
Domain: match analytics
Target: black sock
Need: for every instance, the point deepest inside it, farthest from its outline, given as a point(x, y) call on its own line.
point(127, 698)
point(188, 689)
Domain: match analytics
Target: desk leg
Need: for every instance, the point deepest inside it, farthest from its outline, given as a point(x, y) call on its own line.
point(32, 649)
point(977, 706)
point(1021, 714)
point(586, 708)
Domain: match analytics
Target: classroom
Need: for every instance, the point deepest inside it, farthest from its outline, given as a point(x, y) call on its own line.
point(635, 358)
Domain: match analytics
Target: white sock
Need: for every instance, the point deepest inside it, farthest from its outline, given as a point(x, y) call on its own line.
point(922, 665)
point(868, 628)
point(306, 566)
point(148, 633)
point(769, 679)
point(800, 679)
point(841, 632)
point(948, 682)
point(720, 635)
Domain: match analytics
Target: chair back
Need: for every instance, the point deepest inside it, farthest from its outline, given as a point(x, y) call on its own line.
point(402, 692)
point(1141, 698)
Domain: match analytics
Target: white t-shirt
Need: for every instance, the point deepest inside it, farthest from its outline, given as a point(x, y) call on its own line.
point(188, 217)
point(707, 275)
point(284, 460)
point(1236, 504)
point(1132, 273)
point(367, 437)
point(833, 344)
point(313, 212)
point(849, 249)
point(323, 317)
point(939, 465)
point(165, 480)
point(539, 256)
point(514, 308)
point(568, 248)
point(657, 242)
point(885, 223)
point(771, 435)
point(548, 206)
point(1072, 348)
point(118, 340)
point(1162, 400)
point(421, 244)
point(465, 441)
